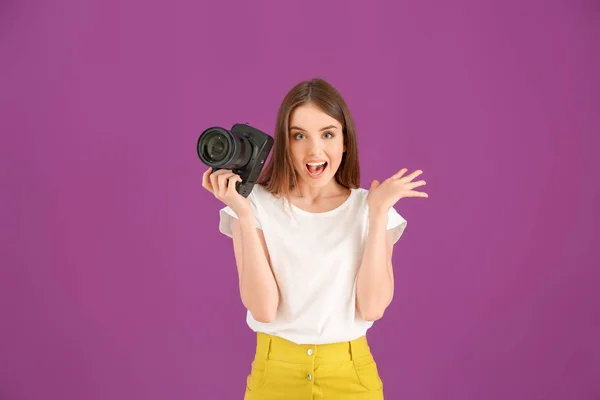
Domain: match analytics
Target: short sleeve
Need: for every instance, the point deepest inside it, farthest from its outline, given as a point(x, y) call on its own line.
point(226, 216)
point(396, 222)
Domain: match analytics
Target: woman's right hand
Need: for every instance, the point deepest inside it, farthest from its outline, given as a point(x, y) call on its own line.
point(221, 184)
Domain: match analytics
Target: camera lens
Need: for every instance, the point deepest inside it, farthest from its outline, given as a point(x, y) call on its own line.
point(220, 148)
point(216, 147)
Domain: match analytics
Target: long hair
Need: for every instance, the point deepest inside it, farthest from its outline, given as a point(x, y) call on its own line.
point(279, 176)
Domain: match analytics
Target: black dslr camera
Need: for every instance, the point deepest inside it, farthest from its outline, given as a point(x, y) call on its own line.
point(243, 149)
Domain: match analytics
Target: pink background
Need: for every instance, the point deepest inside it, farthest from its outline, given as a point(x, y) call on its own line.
point(115, 282)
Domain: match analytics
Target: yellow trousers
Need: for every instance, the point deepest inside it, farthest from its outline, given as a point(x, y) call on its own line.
point(284, 370)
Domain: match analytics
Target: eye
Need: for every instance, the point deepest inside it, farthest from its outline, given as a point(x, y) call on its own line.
point(298, 134)
point(331, 135)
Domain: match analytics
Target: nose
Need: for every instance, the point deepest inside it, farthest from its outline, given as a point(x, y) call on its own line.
point(315, 147)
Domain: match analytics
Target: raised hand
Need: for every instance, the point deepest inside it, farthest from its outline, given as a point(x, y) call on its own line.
point(221, 184)
point(384, 195)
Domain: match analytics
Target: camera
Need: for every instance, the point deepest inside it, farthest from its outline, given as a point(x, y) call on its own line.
point(242, 149)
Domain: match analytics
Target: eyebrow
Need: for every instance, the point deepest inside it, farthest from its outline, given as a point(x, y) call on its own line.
point(321, 130)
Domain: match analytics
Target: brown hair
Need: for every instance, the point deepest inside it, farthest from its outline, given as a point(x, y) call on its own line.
point(279, 176)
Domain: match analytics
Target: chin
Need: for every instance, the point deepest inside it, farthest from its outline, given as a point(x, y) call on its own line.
point(317, 183)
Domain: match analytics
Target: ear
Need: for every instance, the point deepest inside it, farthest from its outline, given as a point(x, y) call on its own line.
point(344, 148)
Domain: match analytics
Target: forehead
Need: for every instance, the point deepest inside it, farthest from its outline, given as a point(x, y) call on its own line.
point(311, 118)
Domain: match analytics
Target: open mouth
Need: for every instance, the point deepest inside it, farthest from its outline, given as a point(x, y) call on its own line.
point(315, 170)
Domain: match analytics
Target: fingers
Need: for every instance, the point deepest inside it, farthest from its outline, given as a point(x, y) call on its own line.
point(410, 177)
point(399, 173)
point(413, 185)
point(231, 184)
point(414, 193)
point(221, 182)
point(413, 175)
point(206, 180)
point(214, 180)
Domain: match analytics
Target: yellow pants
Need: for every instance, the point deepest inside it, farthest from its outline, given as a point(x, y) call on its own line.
point(284, 370)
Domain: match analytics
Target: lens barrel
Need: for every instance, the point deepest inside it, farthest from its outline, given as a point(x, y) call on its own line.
point(220, 148)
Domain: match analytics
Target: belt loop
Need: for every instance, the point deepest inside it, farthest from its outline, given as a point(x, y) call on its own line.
point(352, 350)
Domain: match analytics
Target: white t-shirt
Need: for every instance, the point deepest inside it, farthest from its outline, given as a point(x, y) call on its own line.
point(315, 259)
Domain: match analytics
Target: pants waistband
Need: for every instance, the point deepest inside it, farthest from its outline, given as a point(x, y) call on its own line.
point(271, 347)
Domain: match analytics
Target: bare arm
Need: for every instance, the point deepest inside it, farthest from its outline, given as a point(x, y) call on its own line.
point(375, 280)
point(258, 288)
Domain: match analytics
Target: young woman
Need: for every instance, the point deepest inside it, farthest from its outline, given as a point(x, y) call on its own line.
point(313, 252)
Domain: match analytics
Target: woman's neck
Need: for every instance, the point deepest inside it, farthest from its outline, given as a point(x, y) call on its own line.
point(312, 194)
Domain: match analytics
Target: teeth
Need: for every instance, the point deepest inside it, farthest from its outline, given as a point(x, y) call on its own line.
point(316, 164)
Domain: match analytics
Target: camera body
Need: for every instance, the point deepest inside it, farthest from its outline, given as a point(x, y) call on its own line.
point(242, 149)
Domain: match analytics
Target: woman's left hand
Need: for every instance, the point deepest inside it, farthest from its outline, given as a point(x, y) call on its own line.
point(383, 196)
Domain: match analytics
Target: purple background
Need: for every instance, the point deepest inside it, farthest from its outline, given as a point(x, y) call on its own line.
point(115, 282)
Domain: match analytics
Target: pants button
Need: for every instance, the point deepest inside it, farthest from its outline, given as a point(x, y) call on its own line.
point(309, 377)
point(309, 352)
